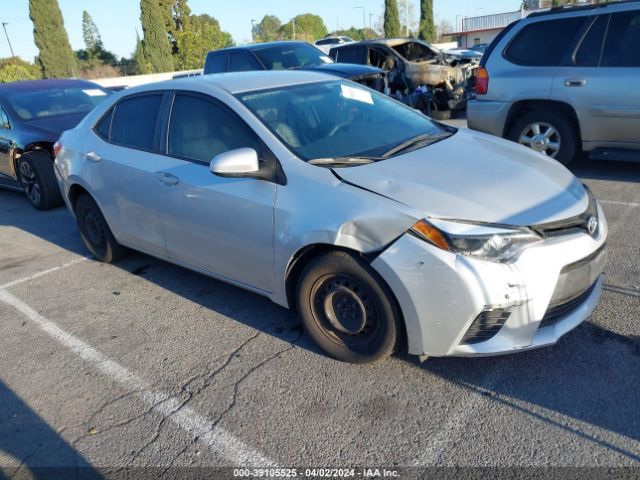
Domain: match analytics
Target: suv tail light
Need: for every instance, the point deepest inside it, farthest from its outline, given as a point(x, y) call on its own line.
point(56, 148)
point(482, 81)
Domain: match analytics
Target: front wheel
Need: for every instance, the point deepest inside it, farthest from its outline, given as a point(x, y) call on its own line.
point(347, 309)
point(35, 173)
point(550, 133)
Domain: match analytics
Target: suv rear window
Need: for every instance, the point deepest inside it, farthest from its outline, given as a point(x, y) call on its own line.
point(544, 44)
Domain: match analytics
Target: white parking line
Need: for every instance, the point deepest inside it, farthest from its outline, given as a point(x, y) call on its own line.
point(624, 204)
point(197, 426)
point(44, 272)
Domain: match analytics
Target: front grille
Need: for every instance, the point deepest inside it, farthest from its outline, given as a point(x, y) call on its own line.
point(558, 312)
point(486, 326)
point(577, 224)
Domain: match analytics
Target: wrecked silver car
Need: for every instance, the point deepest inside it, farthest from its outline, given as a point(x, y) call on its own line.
point(418, 74)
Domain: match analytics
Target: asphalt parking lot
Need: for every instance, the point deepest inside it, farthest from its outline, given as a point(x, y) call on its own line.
point(146, 364)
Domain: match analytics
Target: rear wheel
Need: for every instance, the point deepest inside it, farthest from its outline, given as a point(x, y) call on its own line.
point(347, 309)
point(35, 173)
point(95, 232)
point(549, 132)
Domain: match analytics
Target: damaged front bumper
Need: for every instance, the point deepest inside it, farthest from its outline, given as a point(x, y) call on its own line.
point(444, 296)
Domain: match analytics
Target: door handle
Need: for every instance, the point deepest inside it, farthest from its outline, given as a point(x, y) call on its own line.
point(92, 156)
point(167, 179)
point(575, 83)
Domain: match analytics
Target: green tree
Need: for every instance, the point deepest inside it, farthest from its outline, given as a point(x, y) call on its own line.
point(56, 59)
point(357, 34)
point(203, 35)
point(139, 60)
point(428, 31)
point(14, 69)
point(91, 35)
point(268, 30)
point(391, 19)
point(156, 43)
point(308, 27)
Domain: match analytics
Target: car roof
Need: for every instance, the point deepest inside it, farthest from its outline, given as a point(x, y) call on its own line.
point(260, 46)
point(616, 5)
point(239, 82)
point(37, 85)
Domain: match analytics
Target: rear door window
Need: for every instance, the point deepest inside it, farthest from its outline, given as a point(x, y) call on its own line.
point(350, 55)
point(546, 43)
point(622, 46)
point(134, 121)
point(242, 62)
point(590, 50)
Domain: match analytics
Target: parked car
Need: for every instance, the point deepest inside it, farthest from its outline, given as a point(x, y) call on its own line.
point(379, 225)
point(289, 56)
point(462, 56)
point(412, 65)
point(480, 48)
point(563, 81)
point(33, 114)
point(327, 43)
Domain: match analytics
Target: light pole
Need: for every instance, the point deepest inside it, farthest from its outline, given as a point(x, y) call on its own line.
point(364, 21)
point(253, 29)
point(370, 17)
point(4, 26)
point(293, 22)
point(406, 17)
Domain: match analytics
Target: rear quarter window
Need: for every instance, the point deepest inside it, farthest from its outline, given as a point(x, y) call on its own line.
point(349, 55)
point(216, 63)
point(545, 43)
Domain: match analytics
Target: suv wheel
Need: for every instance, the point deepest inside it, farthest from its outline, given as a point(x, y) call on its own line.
point(550, 133)
point(347, 309)
point(35, 173)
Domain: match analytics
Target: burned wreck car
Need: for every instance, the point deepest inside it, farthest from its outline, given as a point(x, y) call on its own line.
point(418, 74)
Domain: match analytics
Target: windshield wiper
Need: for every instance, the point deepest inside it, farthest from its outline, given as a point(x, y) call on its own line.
point(415, 142)
point(342, 161)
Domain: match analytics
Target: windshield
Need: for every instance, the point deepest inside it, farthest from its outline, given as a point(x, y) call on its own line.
point(415, 51)
point(338, 119)
point(287, 57)
point(54, 102)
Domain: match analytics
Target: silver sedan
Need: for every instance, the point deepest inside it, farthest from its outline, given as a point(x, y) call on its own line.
point(383, 228)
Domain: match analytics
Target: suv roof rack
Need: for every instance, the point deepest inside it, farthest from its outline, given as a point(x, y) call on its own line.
point(573, 8)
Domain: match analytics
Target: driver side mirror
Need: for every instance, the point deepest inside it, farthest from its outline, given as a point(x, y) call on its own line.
point(242, 162)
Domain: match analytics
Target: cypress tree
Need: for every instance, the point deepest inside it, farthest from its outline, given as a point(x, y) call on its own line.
point(56, 59)
point(142, 67)
point(428, 30)
point(391, 19)
point(90, 34)
point(157, 48)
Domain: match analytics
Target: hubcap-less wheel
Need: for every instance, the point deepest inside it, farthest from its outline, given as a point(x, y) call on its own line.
point(541, 137)
point(94, 231)
point(30, 182)
point(345, 310)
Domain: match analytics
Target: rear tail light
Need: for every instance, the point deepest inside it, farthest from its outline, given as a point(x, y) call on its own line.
point(56, 148)
point(482, 81)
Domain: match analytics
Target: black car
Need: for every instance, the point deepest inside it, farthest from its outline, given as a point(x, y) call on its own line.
point(289, 56)
point(33, 114)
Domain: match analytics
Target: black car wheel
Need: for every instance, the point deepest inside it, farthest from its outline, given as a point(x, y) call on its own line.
point(35, 173)
point(347, 309)
point(95, 232)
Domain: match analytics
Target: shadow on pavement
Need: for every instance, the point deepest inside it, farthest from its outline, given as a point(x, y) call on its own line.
point(615, 171)
point(31, 449)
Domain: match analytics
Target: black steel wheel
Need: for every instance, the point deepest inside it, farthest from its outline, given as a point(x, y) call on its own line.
point(95, 232)
point(348, 309)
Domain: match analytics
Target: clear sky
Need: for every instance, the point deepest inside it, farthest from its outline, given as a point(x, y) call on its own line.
point(118, 20)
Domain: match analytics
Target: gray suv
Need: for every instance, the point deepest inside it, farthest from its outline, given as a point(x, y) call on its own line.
point(565, 80)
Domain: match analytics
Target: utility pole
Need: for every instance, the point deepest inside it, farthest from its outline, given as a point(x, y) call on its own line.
point(370, 17)
point(406, 17)
point(293, 21)
point(4, 26)
point(253, 30)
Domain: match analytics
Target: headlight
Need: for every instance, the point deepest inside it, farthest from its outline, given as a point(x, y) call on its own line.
point(490, 242)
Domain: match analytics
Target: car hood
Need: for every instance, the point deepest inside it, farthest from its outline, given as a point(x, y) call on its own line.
point(344, 70)
point(476, 177)
point(50, 128)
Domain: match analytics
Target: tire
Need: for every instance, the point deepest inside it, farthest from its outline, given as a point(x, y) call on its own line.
point(95, 232)
point(348, 310)
point(434, 112)
point(565, 136)
point(35, 173)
